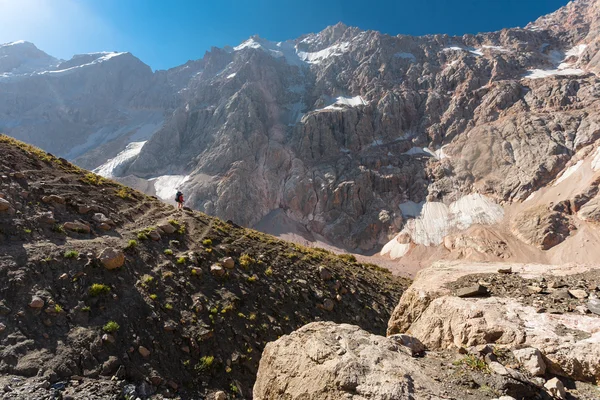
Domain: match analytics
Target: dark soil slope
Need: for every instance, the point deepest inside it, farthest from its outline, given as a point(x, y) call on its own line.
point(188, 309)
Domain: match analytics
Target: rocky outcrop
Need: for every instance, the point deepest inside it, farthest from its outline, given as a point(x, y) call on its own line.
point(568, 341)
point(541, 227)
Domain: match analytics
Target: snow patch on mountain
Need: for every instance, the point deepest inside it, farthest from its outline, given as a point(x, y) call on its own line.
point(341, 101)
point(322, 55)
point(285, 50)
point(105, 57)
point(565, 66)
point(408, 56)
point(596, 160)
point(109, 169)
point(568, 172)
point(140, 125)
point(436, 220)
point(167, 185)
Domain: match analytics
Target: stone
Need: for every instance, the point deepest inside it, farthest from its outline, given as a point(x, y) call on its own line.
point(36, 302)
point(228, 262)
point(109, 338)
point(535, 289)
point(578, 293)
point(219, 395)
point(217, 270)
point(507, 270)
point(104, 226)
point(594, 306)
point(531, 359)
point(154, 235)
point(170, 326)
point(173, 385)
point(324, 273)
point(83, 209)
point(2, 327)
point(560, 294)
point(144, 352)
point(409, 344)
point(112, 258)
point(556, 389)
point(556, 284)
point(4, 204)
point(47, 218)
point(167, 228)
point(472, 291)
point(110, 366)
point(101, 218)
point(53, 199)
point(328, 305)
point(77, 227)
point(155, 380)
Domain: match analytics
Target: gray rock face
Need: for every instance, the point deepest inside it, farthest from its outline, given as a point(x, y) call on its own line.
point(332, 127)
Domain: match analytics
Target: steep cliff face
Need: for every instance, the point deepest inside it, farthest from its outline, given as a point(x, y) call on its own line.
point(350, 132)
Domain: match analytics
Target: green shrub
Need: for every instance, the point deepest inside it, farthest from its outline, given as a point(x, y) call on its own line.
point(71, 254)
point(269, 271)
point(252, 278)
point(181, 260)
point(27, 230)
point(174, 222)
point(58, 308)
point(153, 296)
point(348, 258)
point(147, 279)
point(97, 289)
point(59, 229)
point(111, 327)
point(246, 260)
point(207, 242)
point(123, 193)
point(131, 244)
point(168, 252)
point(205, 364)
point(142, 236)
point(86, 308)
point(169, 306)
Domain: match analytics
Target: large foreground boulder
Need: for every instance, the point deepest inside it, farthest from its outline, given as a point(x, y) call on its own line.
point(323, 360)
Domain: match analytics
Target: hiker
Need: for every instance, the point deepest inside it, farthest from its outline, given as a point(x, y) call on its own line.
point(179, 200)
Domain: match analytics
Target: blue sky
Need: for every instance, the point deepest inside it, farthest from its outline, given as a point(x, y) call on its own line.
point(167, 33)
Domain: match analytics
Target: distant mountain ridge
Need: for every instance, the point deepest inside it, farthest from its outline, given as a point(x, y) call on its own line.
point(345, 137)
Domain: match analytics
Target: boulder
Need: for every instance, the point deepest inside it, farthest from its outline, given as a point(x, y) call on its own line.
point(154, 235)
point(84, 209)
point(594, 306)
point(578, 293)
point(228, 263)
point(53, 198)
point(167, 228)
point(101, 218)
point(36, 302)
point(556, 388)
point(531, 359)
point(410, 344)
point(47, 218)
point(112, 258)
point(219, 395)
point(323, 360)
point(105, 227)
point(472, 291)
point(144, 352)
point(217, 270)
point(77, 227)
point(4, 205)
point(324, 273)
